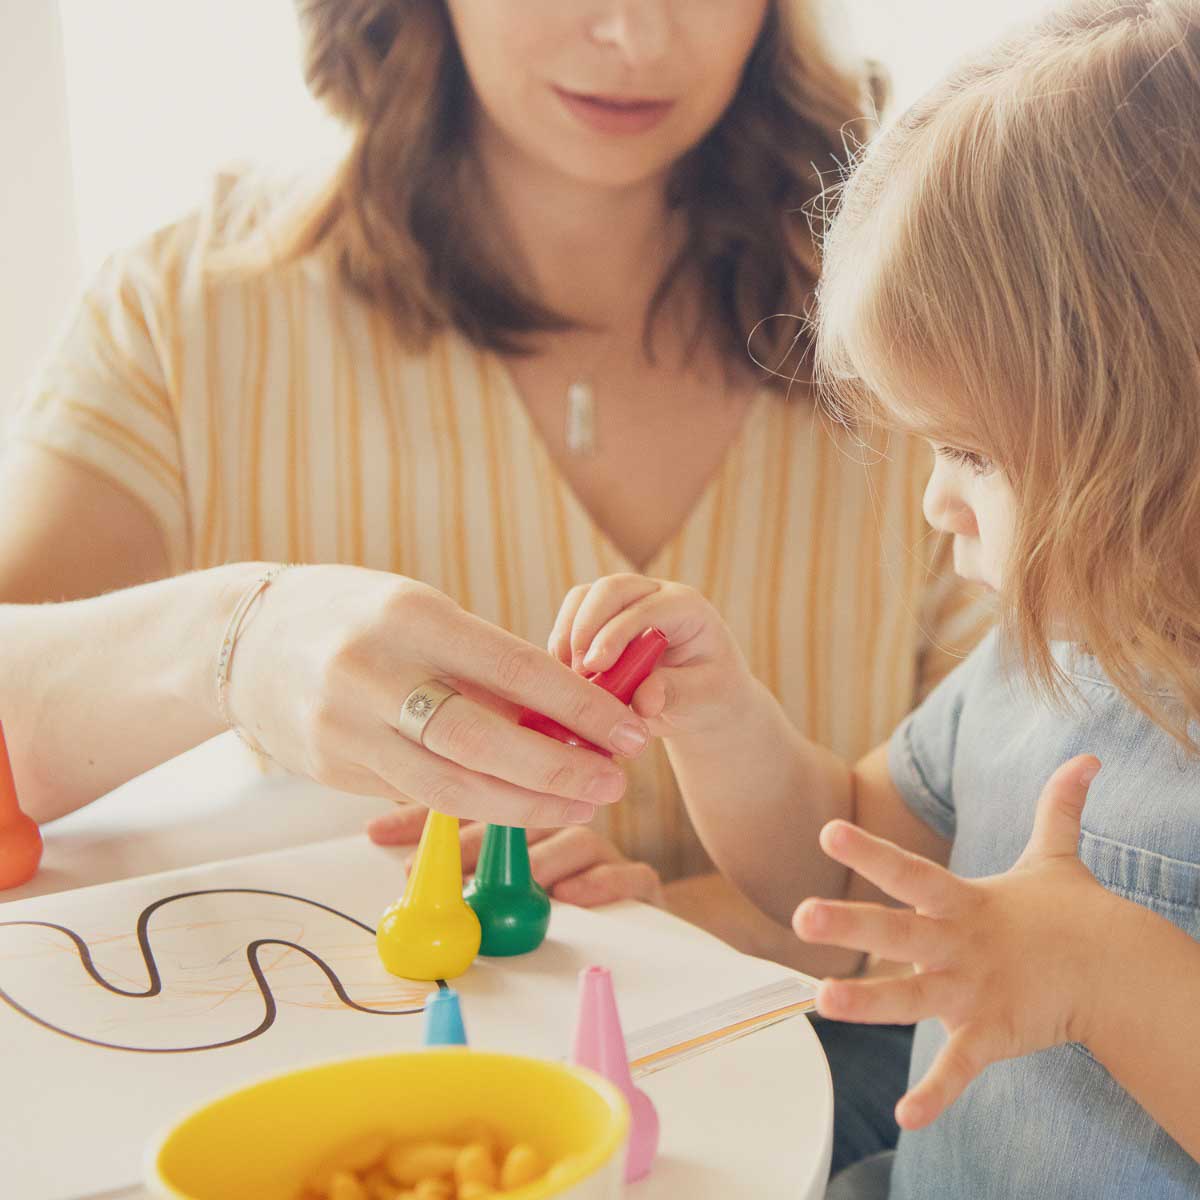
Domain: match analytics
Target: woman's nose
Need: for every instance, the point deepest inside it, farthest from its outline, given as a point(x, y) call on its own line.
point(639, 29)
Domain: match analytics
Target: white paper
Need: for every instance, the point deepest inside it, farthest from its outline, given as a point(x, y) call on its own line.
point(75, 1117)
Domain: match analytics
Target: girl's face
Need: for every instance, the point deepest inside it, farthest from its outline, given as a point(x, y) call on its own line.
point(967, 497)
point(610, 92)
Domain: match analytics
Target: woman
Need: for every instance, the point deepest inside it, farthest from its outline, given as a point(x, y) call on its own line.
point(502, 352)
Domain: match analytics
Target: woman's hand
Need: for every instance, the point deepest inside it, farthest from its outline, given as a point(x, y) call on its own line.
point(576, 865)
point(328, 656)
point(1010, 964)
point(701, 681)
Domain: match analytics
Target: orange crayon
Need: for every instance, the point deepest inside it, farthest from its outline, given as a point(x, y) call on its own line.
point(20, 838)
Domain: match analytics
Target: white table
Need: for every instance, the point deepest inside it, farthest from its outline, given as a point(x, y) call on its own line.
point(750, 1119)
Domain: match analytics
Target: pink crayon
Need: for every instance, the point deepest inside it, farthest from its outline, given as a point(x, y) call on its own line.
point(600, 1046)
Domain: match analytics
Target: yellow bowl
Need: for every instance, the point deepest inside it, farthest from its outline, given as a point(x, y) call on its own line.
point(264, 1141)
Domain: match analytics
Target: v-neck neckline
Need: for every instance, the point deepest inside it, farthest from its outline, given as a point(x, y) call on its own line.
point(516, 402)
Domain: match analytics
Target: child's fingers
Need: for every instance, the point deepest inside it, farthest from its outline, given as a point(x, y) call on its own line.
point(889, 1001)
point(689, 698)
point(559, 642)
point(399, 828)
point(568, 853)
point(471, 840)
point(651, 698)
point(1059, 809)
point(896, 934)
point(609, 882)
point(604, 600)
point(908, 877)
point(958, 1062)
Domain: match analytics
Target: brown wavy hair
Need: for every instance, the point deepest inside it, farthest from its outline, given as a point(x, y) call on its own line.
point(1015, 271)
point(399, 212)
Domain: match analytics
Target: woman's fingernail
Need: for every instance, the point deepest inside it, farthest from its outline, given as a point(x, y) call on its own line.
point(629, 739)
point(579, 813)
point(605, 789)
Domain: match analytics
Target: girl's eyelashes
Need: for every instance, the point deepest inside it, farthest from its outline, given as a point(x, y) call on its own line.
point(978, 463)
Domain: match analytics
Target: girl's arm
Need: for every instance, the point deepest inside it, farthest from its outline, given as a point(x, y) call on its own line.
point(1143, 1027)
point(757, 790)
point(759, 794)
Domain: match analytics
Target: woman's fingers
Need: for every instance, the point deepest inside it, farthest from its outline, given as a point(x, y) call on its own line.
point(470, 735)
point(907, 877)
point(608, 882)
point(896, 934)
point(450, 788)
point(890, 1001)
point(502, 663)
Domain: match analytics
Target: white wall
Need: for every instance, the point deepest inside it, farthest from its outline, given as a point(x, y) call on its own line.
point(919, 40)
point(39, 247)
point(163, 93)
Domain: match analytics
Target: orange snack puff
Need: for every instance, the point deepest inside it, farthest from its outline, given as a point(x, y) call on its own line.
point(409, 1165)
point(434, 1187)
point(345, 1186)
point(476, 1191)
point(522, 1165)
point(475, 1164)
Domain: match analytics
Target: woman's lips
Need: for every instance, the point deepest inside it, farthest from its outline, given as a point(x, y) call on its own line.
point(613, 114)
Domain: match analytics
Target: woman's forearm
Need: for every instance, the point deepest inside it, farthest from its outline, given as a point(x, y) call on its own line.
point(93, 692)
point(758, 795)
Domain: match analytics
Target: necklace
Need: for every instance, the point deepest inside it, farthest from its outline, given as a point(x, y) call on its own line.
point(580, 426)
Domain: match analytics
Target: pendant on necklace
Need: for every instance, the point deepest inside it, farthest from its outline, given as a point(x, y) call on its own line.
point(581, 419)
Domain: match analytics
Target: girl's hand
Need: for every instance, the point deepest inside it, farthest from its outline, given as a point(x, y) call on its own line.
point(701, 680)
point(576, 865)
point(1010, 964)
point(329, 655)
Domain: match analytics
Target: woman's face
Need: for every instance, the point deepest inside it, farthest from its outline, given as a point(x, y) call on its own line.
point(611, 92)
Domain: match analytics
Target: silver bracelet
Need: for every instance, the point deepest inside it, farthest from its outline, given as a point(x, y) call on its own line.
point(229, 640)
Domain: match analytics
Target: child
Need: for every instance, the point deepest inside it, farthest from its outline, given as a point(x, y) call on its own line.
point(1014, 275)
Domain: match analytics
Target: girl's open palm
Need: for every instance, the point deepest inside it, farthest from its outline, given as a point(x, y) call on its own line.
point(1008, 963)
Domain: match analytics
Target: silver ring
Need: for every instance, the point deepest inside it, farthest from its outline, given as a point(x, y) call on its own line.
point(419, 706)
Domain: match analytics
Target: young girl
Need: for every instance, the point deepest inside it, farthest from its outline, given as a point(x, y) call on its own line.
point(1014, 274)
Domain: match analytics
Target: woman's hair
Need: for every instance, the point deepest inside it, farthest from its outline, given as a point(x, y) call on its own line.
point(403, 213)
point(1014, 269)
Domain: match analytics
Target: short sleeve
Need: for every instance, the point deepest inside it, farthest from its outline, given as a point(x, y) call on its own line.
point(102, 399)
point(921, 752)
point(955, 617)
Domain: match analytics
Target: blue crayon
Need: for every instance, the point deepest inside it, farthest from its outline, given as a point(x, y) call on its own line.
point(443, 1019)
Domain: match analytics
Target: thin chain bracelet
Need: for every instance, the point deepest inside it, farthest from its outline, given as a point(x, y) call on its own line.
point(229, 640)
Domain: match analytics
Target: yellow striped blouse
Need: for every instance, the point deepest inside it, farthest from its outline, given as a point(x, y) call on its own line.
point(276, 417)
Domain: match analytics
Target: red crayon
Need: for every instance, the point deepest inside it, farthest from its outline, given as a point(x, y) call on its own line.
point(622, 679)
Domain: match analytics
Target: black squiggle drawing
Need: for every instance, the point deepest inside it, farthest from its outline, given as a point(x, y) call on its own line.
point(155, 987)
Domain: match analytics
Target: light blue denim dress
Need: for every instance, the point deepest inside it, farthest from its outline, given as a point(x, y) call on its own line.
point(971, 763)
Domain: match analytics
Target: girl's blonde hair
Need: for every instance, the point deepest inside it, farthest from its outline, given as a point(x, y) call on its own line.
point(405, 218)
point(1014, 269)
